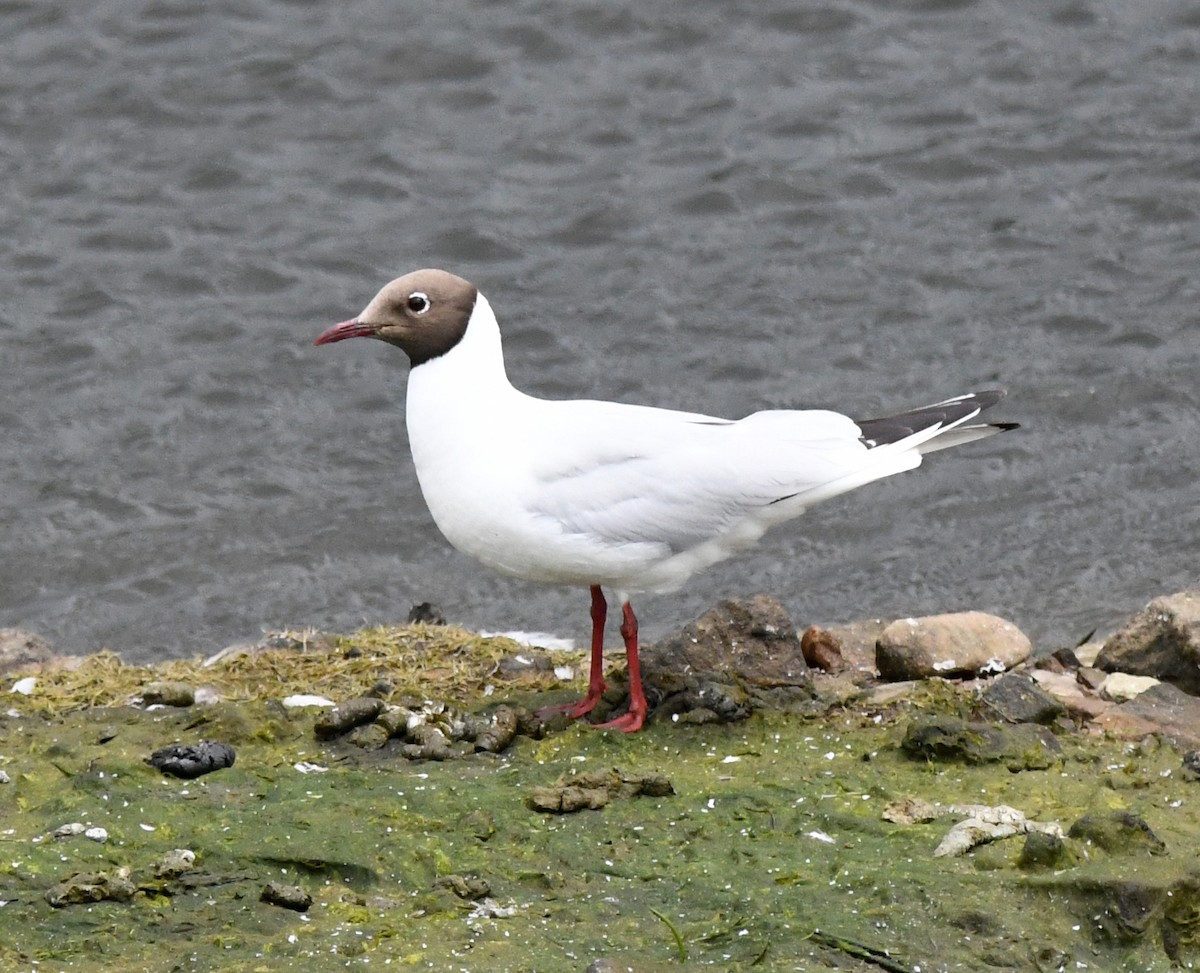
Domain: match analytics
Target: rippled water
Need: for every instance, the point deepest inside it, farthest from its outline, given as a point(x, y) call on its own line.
point(714, 206)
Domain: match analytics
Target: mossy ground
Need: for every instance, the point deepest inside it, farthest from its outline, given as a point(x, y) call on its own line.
point(773, 853)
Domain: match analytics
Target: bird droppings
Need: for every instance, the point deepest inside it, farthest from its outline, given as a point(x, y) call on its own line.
point(592, 790)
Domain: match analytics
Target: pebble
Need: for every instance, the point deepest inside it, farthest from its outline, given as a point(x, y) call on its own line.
point(288, 896)
point(1120, 686)
point(175, 863)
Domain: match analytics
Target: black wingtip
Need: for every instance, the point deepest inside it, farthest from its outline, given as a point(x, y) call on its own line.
point(890, 429)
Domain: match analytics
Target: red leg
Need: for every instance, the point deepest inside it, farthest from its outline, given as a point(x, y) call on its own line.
point(636, 715)
point(596, 685)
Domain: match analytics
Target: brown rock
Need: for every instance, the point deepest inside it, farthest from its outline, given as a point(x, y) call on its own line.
point(1162, 640)
point(954, 645)
point(857, 642)
point(821, 649)
point(22, 650)
point(753, 642)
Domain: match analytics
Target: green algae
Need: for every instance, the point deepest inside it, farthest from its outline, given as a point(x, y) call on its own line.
point(771, 854)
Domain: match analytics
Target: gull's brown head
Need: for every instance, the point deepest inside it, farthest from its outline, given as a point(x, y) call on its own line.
point(424, 313)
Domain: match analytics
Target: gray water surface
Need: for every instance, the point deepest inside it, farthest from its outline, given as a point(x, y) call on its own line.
point(715, 206)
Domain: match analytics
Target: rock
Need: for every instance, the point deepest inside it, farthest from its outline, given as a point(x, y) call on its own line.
point(752, 642)
point(1087, 653)
point(1191, 765)
point(1043, 851)
point(426, 614)
point(346, 716)
point(1121, 686)
point(21, 650)
point(92, 887)
point(958, 644)
point(1067, 689)
point(1017, 698)
point(469, 887)
point(289, 896)
point(1091, 677)
point(192, 760)
point(1117, 832)
point(1020, 747)
point(1162, 640)
point(822, 649)
point(1167, 710)
point(175, 863)
point(857, 641)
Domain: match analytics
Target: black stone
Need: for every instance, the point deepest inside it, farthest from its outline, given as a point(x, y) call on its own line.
point(1018, 699)
point(192, 760)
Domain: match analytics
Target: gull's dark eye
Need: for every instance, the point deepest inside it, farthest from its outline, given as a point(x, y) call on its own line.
point(418, 303)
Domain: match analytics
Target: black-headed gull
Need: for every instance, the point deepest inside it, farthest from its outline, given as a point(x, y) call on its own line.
point(604, 494)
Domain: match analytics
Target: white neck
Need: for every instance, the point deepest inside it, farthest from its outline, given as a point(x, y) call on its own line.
point(464, 389)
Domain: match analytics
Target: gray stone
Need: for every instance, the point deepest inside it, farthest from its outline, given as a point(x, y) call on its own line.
point(1017, 698)
point(961, 644)
point(1021, 747)
point(1162, 640)
point(288, 896)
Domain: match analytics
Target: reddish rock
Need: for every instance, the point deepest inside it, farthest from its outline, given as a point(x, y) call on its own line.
point(1162, 640)
point(857, 642)
point(822, 650)
point(1170, 711)
point(961, 644)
